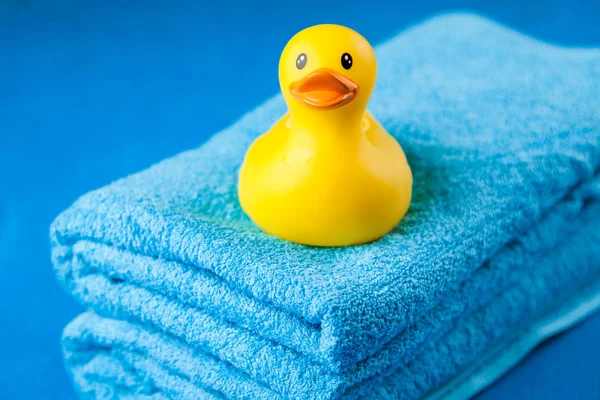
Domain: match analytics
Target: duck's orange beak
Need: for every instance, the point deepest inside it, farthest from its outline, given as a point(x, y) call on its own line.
point(324, 88)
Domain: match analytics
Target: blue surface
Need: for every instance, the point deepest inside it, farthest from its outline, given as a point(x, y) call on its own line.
point(92, 93)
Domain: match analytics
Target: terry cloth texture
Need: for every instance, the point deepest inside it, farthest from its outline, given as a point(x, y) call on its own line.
point(188, 299)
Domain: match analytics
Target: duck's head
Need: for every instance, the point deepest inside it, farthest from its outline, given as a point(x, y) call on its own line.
point(327, 70)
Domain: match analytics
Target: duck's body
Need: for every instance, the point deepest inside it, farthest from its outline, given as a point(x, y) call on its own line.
point(328, 178)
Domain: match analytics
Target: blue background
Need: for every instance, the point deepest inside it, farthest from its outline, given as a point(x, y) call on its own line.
point(90, 92)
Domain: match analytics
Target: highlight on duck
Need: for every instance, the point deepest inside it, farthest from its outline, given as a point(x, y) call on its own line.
point(327, 173)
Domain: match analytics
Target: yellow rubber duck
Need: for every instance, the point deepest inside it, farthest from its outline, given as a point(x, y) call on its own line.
point(327, 173)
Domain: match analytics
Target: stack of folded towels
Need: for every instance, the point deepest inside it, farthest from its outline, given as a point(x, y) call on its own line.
point(500, 248)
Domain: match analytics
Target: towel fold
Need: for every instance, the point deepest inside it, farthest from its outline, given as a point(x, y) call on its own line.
point(189, 300)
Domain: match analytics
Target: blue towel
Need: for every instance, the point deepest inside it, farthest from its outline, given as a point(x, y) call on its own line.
point(189, 300)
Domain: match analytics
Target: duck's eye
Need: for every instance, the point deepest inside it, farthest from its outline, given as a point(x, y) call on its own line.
point(301, 61)
point(346, 61)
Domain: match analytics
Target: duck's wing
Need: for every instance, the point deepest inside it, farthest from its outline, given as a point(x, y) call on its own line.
point(377, 134)
point(374, 131)
point(282, 122)
point(367, 121)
